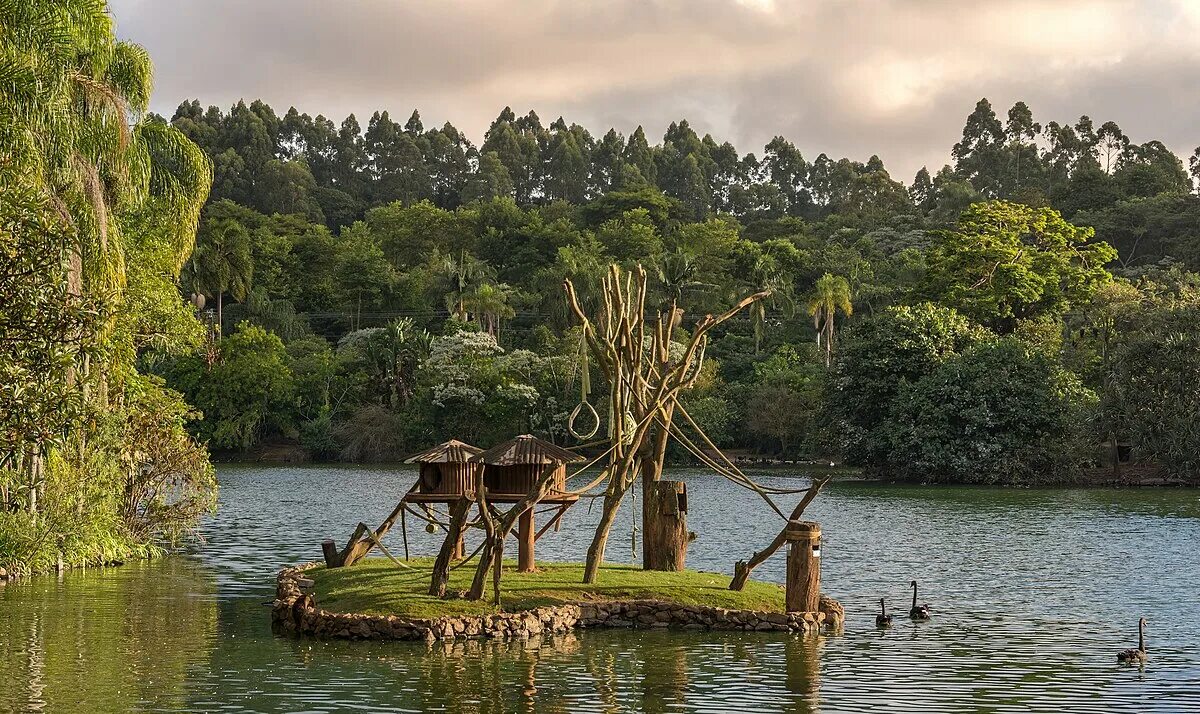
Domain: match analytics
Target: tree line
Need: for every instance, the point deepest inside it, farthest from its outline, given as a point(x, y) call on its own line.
point(359, 260)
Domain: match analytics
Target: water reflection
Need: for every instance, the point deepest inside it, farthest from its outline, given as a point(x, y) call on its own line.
point(118, 639)
point(1033, 592)
point(803, 672)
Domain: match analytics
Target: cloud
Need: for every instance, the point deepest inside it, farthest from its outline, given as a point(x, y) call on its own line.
point(846, 77)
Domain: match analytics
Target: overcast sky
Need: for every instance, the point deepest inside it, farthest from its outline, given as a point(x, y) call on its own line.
point(847, 77)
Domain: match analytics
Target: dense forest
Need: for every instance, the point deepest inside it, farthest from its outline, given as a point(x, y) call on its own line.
point(1017, 316)
point(384, 288)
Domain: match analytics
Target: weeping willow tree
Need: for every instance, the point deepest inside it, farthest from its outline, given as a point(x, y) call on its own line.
point(646, 369)
point(127, 188)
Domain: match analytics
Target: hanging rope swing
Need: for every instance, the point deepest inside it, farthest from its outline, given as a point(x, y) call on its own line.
point(585, 388)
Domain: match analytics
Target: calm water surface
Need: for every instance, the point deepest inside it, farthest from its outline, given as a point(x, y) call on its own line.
point(1033, 594)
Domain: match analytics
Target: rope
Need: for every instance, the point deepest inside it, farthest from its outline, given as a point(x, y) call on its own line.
point(585, 388)
point(704, 458)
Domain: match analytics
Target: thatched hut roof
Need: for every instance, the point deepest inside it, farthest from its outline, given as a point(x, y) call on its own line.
point(526, 449)
point(450, 452)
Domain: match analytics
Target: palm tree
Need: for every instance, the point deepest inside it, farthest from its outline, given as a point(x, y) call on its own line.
point(73, 117)
point(463, 274)
point(830, 295)
point(397, 352)
point(489, 304)
point(221, 264)
point(766, 275)
point(677, 272)
point(73, 123)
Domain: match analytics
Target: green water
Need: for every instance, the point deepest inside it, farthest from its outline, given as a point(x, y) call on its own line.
point(1033, 594)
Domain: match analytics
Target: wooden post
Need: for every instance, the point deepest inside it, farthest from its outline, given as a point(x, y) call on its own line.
point(741, 569)
point(525, 544)
point(665, 534)
point(333, 559)
point(803, 566)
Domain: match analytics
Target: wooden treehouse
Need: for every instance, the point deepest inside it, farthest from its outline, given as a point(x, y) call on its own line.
point(445, 474)
point(512, 469)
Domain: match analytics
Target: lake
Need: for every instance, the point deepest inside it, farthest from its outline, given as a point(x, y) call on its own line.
point(1033, 593)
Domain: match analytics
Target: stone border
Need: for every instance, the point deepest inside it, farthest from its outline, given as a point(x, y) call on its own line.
point(295, 611)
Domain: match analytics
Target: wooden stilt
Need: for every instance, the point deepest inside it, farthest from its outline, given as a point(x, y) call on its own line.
point(554, 522)
point(525, 546)
point(803, 566)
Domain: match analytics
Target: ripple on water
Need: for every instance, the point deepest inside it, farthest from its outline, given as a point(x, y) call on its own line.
point(1033, 592)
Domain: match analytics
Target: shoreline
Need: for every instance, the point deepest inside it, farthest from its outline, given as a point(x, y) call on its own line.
point(1134, 477)
point(295, 611)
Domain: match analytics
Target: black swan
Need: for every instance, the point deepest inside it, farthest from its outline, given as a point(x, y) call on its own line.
point(1138, 655)
point(883, 619)
point(918, 612)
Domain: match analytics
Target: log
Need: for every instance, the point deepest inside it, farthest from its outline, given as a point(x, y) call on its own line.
point(803, 583)
point(525, 543)
point(741, 569)
point(665, 535)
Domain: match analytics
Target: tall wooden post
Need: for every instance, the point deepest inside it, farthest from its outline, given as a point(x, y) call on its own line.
point(665, 533)
point(525, 543)
point(803, 566)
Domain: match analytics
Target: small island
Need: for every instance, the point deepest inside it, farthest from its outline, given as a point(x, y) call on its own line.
point(350, 597)
point(376, 600)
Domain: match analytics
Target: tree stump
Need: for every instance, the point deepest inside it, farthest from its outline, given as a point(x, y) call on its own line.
point(525, 542)
point(665, 533)
point(333, 558)
point(803, 566)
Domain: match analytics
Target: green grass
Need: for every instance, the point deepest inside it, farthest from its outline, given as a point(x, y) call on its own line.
point(376, 586)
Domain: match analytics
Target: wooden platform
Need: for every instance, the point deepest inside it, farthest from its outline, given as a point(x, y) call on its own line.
point(492, 497)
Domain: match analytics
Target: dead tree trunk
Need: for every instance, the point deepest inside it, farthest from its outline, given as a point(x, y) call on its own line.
point(644, 379)
point(803, 583)
point(359, 546)
point(453, 541)
point(654, 518)
point(595, 554)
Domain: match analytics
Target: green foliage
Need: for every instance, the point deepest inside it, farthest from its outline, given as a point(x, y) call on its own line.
point(784, 407)
point(386, 232)
point(879, 358)
point(44, 329)
point(1155, 385)
point(1006, 262)
point(247, 392)
point(997, 413)
point(99, 204)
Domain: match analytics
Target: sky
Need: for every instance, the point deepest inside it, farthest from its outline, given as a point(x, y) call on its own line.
point(851, 78)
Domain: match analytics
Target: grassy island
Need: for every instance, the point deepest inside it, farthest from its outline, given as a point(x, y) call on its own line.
point(376, 586)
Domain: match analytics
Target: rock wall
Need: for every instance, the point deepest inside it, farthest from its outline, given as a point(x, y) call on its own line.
point(295, 611)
